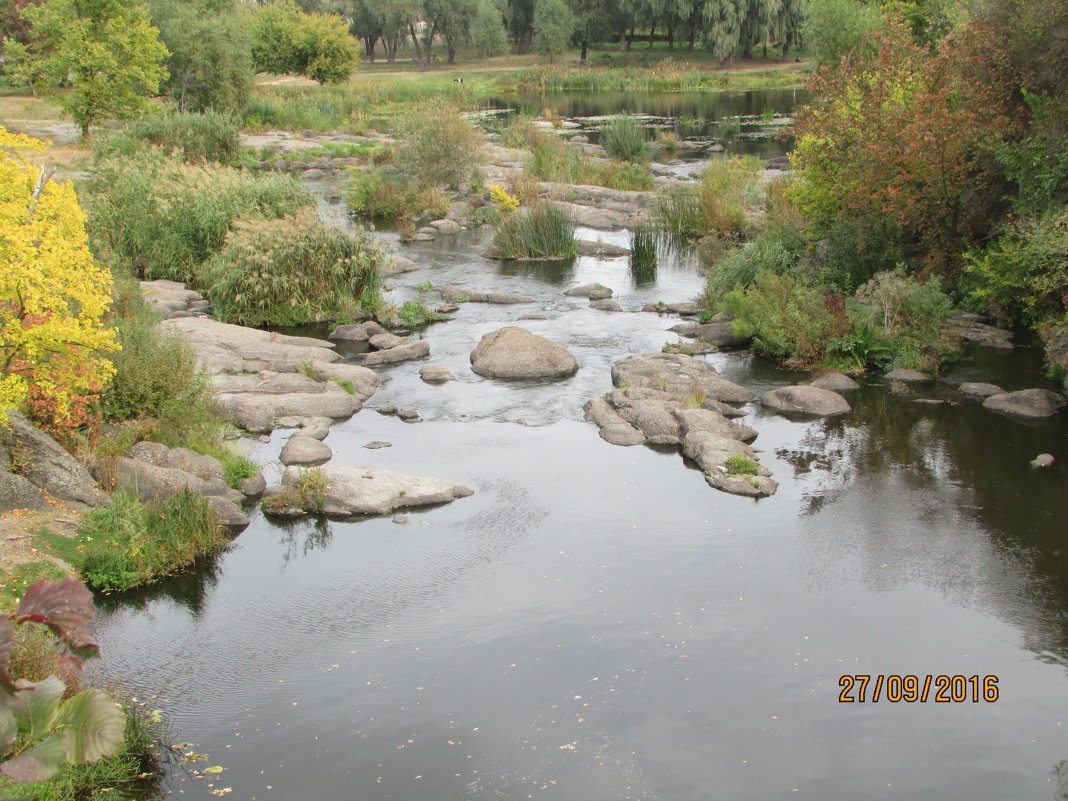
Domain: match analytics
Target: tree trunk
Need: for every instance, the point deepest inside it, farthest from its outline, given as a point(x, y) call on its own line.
point(452, 54)
point(652, 34)
point(585, 45)
point(727, 63)
point(671, 37)
point(369, 46)
point(623, 40)
point(415, 44)
point(785, 49)
point(629, 37)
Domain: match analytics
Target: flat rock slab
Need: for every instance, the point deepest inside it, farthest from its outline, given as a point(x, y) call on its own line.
point(905, 374)
point(980, 389)
point(455, 294)
point(377, 443)
point(1033, 403)
point(259, 413)
point(684, 308)
point(360, 490)
point(591, 291)
point(225, 348)
point(153, 483)
point(514, 352)
point(305, 451)
point(677, 375)
point(401, 353)
point(806, 400)
point(836, 382)
point(398, 265)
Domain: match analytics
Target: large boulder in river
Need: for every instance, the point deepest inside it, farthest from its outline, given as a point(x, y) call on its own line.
point(721, 335)
point(305, 451)
point(1035, 403)
point(806, 400)
point(360, 490)
point(678, 376)
point(200, 465)
point(905, 374)
point(356, 332)
point(980, 389)
point(514, 352)
point(32, 462)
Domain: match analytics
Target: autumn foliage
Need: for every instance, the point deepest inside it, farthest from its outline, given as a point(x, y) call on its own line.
point(53, 296)
point(902, 139)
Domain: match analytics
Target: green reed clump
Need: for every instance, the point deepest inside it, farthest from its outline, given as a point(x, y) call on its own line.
point(643, 248)
point(543, 231)
point(624, 138)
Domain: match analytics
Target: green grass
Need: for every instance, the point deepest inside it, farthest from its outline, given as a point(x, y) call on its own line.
point(17, 580)
point(738, 465)
point(416, 315)
point(129, 543)
point(623, 138)
point(552, 160)
point(545, 231)
point(237, 469)
point(308, 493)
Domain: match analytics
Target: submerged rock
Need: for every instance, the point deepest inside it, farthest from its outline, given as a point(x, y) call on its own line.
point(361, 490)
point(436, 374)
point(678, 376)
point(514, 352)
point(455, 294)
point(836, 382)
point(607, 305)
point(980, 389)
point(806, 400)
point(1043, 460)
point(904, 374)
point(591, 291)
point(722, 335)
point(1034, 403)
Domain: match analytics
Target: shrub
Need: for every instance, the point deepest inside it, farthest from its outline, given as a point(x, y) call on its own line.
point(159, 218)
point(375, 194)
point(552, 160)
point(156, 375)
point(906, 316)
point(500, 196)
point(521, 132)
point(624, 138)
point(416, 315)
point(129, 543)
point(293, 270)
point(786, 317)
point(544, 231)
point(669, 141)
point(192, 137)
point(1023, 275)
point(438, 146)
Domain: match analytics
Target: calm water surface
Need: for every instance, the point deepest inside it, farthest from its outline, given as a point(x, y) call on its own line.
point(596, 623)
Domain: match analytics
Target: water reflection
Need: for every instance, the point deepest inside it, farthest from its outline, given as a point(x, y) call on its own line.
point(190, 589)
point(555, 272)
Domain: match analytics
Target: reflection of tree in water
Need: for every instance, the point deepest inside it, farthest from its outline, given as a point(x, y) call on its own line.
point(302, 536)
point(189, 588)
point(552, 271)
point(946, 463)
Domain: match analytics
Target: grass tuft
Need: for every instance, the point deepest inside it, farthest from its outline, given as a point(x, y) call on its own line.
point(545, 231)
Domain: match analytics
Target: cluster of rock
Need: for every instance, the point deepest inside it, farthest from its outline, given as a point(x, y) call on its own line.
point(455, 294)
point(673, 399)
point(154, 472)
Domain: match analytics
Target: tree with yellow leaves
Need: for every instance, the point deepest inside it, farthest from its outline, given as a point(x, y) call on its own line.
point(53, 296)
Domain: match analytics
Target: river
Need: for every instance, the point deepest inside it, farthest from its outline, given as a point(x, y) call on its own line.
point(597, 623)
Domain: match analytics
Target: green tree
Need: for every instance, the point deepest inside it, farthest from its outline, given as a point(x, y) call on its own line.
point(287, 40)
point(105, 49)
point(553, 25)
point(209, 65)
point(488, 33)
point(835, 28)
point(723, 28)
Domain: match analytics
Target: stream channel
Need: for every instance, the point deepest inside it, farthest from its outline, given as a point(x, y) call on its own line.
point(595, 623)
